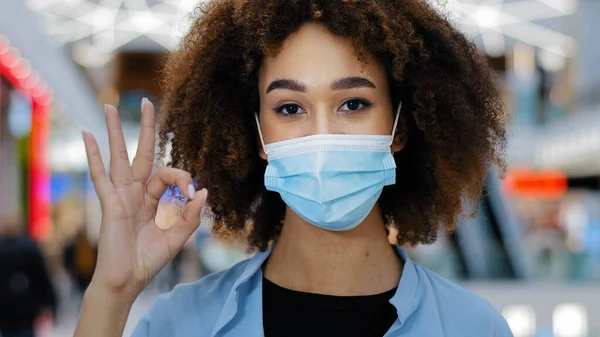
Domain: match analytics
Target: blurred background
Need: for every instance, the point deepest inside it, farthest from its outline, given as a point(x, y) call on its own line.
point(533, 251)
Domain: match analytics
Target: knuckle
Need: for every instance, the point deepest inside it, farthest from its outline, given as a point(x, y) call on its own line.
point(148, 155)
point(127, 181)
point(184, 178)
point(113, 193)
point(123, 154)
point(187, 218)
point(115, 127)
point(144, 157)
point(173, 175)
point(93, 153)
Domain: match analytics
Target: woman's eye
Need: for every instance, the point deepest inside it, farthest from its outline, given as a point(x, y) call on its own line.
point(355, 105)
point(288, 109)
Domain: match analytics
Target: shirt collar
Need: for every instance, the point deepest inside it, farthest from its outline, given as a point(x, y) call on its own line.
point(405, 300)
point(231, 303)
point(253, 266)
point(407, 297)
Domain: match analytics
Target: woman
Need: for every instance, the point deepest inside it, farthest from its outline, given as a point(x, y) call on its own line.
point(315, 126)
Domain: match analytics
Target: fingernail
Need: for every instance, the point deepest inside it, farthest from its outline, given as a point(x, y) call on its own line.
point(205, 194)
point(106, 107)
point(191, 191)
point(83, 132)
point(144, 100)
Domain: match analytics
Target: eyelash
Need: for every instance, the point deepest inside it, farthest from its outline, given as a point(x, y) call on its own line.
point(365, 105)
point(279, 109)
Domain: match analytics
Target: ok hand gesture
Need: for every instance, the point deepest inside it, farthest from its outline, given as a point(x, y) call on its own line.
point(132, 248)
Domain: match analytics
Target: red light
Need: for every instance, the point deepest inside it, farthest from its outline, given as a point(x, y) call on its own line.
point(10, 58)
point(30, 82)
point(38, 91)
point(39, 172)
point(22, 70)
point(547, 184)
point(18, 73)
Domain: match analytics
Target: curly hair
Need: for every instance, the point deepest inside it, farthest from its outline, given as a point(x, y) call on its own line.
point(450, 104)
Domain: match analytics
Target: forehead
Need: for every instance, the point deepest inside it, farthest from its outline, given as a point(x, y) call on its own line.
point(313, 54)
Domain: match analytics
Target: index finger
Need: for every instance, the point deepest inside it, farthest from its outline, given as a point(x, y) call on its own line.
point(167, 176)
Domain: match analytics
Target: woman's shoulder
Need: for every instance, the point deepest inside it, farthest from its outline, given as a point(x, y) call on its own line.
point(458, 308)
point(190, 307)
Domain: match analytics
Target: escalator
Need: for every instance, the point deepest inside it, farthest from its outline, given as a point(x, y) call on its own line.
point(487, 247)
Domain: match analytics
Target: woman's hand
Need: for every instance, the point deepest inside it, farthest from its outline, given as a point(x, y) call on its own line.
point(132, 248)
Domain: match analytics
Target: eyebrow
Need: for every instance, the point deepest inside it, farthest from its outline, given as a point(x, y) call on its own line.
point(352, 83)
point(286, 84)
point(342, 83)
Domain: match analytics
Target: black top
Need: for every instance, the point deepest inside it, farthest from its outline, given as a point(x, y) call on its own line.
point(292, 313)
point(25, 286)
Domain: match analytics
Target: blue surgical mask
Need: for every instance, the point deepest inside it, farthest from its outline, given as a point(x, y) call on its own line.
point(332, 181)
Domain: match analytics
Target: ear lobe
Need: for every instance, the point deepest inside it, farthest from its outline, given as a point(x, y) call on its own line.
point(398, 143)
point(400, 137)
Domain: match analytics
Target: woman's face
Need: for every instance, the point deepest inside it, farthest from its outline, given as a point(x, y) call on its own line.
point(316, 85)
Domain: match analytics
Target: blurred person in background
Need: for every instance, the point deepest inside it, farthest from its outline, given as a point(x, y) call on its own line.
point(26, 290)
point(311, 126)
point(80, 261)
point(5, 97)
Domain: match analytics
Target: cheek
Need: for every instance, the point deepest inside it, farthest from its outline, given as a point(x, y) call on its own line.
point(371, 127)
point(375, 123)
point(276, 129)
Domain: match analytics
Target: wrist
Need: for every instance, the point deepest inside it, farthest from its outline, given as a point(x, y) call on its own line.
point(103, 313)
point(96, 293)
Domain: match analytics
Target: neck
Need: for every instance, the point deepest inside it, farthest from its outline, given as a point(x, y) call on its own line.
point(356, 262)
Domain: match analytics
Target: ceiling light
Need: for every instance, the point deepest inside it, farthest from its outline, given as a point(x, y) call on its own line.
point(107, 25)
point(496, 20)
point(569, 320)
point(520, 319)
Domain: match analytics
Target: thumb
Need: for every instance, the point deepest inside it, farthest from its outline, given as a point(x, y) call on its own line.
point(179, 233)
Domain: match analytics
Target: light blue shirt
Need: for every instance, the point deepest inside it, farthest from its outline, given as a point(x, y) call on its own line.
point(229, 303)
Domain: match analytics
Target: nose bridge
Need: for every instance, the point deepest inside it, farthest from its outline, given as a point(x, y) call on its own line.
point(323, 120)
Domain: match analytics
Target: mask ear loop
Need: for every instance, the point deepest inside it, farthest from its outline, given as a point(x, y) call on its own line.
point(262, 141)
point(395, 122)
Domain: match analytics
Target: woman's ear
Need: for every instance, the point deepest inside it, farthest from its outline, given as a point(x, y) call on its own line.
point(400, 137)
